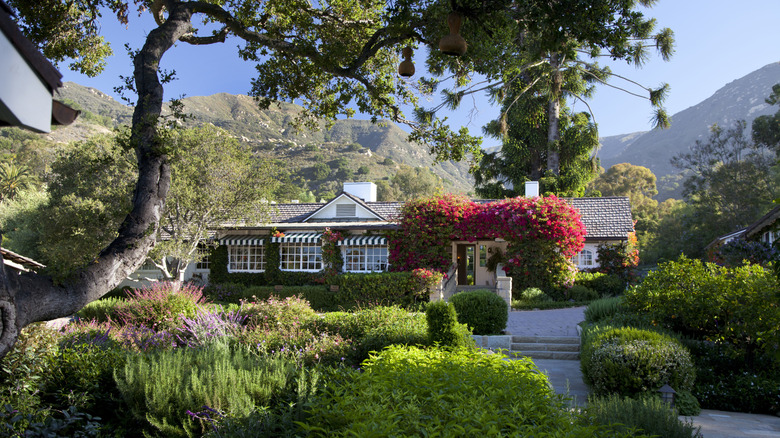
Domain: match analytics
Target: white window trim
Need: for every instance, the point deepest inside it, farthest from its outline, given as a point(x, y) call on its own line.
point(230, 254)
point(344, 258)
point(300, 244)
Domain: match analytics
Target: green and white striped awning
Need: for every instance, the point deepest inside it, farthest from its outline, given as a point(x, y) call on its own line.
point(242, 240)
point(363, 240)
point(298, 237)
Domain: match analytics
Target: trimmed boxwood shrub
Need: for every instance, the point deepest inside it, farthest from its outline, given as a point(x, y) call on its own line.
point(482, 310)
point(443, 325)
point(380, 288)
point(629, 361)
point(605, 284)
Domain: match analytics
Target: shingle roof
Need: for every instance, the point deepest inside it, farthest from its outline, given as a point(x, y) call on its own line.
point(604, 218)
point(608, 217)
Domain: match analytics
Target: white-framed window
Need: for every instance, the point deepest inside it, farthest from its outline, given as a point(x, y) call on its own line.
point(365, 258)
point(246, 258)
point(584, 259)
point(205, 262)
point(300, 256)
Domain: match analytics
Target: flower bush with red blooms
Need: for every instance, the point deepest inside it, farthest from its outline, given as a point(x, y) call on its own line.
point(331, 254)
point(426, 227)
point(543, 234)
point(427, 278)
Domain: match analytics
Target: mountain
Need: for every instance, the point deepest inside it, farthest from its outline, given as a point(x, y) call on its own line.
point(739, 99)
point(270, 133)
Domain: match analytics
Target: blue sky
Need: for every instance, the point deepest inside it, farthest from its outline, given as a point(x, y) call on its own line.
point(717, 41)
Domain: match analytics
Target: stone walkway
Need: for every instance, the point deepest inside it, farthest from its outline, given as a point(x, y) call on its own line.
point(566, 377)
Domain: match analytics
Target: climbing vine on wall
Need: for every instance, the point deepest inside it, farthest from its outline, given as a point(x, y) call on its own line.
point(543, 233)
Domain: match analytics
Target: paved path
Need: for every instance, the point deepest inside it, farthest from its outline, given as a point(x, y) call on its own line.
point(566, 377)
point(557, 322)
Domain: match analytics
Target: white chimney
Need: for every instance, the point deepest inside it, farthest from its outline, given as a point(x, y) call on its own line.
point(531, 189)
point(363, 190)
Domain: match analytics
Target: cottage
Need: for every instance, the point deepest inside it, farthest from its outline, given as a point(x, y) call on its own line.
point(766, 230)
point(299, 227)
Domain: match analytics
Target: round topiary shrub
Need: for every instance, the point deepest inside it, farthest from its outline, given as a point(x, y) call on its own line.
point(628, 361)
point(482, 310)
point(582, 293)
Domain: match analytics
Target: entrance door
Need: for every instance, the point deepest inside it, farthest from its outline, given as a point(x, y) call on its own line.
point(466, 257)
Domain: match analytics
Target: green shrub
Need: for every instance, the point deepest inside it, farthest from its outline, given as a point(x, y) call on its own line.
point(686, 404)
point(380, 288)
point(374, 328)
point(582, 293)
point(605, 284)
point(407, 391)
point(443, 324)
point(100, 310)
point(601, 309)
point(274, 312)
point(160, 306)
point(705, 301)
point(534, 295)
point(628, 361)
point(320, 297)
point(82, 376)
point(482, 310)
point(23, 370)
point(648, 414)
point(161, 388)
point(739, 391)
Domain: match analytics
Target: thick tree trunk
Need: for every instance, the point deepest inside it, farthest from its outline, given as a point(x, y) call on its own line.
point(28, 297)
point(553, 117)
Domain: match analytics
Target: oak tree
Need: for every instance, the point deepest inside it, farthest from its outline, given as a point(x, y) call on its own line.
point(335, 57)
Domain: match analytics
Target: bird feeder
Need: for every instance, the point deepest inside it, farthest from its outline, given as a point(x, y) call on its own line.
point(453, 44)
point(667, 395)
point(406, 68)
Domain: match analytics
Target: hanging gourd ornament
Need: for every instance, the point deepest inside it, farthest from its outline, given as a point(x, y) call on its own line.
point(406, 67)
point(453, 44)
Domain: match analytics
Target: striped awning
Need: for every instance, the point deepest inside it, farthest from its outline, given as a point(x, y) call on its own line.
point(242, 240)
point(298, 237)
point(363, 240)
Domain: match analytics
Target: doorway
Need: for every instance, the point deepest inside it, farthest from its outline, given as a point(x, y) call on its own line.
point(466, 258)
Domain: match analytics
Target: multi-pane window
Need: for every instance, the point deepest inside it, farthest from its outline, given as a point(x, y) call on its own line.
point(583, 259)
point(365, 258)
point(300, 256)
point(204, 262)
point(246, 258)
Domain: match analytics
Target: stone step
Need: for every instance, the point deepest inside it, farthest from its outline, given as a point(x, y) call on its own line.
point(546, 340)
point(545, 347)
point(557, 355)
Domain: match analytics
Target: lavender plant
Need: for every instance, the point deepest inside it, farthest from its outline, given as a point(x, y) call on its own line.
point(210, 328)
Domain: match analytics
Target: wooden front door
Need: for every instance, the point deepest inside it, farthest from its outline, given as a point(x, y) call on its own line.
point(466, 258)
